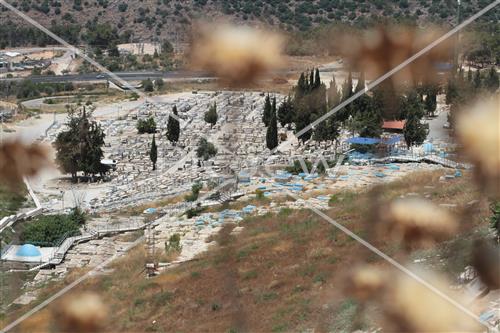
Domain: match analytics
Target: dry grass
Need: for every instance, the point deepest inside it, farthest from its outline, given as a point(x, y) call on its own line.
point(283, 272)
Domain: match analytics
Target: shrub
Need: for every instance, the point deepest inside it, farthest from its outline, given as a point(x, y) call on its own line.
point(146, 125)
point(173, 244)
point(195, 191)
point(205, 149)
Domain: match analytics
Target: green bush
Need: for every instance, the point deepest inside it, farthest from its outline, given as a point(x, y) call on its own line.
point(146, 125)
point(173, 244)
point(195, 191)
point(48, 230)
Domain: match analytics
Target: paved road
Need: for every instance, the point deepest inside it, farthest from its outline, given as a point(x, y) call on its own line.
point(127, 76)
point(436, 130)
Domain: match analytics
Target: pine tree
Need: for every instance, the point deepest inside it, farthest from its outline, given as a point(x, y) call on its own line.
point(79, 148)
point(153, 153)
point(272, 131)
point(414, 131)
point(211, 115)
point(266, 116)
point(173, 127)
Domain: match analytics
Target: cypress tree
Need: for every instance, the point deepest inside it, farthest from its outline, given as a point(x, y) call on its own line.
point(173, 127)
point(301, 85)
point(431, 100)
point(347, 88)
point(361, 82)
point(153, 153)
point(333, 94)
point(266, 116)
point(317, 79)
point(272, 130)
point(311, 80)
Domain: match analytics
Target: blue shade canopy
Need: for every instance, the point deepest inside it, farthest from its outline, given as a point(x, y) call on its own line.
point(372, 141)
point(28, 250)
point(363, 141)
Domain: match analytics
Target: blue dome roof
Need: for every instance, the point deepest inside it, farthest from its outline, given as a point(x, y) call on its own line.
point(28, 250)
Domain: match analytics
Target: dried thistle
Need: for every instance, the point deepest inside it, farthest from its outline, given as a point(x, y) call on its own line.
point(379, 50)
point(238, 55)
point(478, 129)
point(486, 262)
point(81, 313)
point(18, 160)
point(409, 306)
point(365, 282)
point(418, 222)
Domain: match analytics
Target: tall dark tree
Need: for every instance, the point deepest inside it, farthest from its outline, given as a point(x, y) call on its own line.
point(272, 130)
point(266, 116)
point(153, 153)
point(347, 87)
point(477, 80)
point(173, 127)
point(343, 114)
point(317, 79)
point(211, 115)
point(491, 81)
point(361, 82)
point(367, 118)
point(333, 94)
point(79, 148)
point(286, 113)
point(430, 103)
point(311, 80)
point(414, 131)
point(469, 75)
point(451, 90)
point(301, 87)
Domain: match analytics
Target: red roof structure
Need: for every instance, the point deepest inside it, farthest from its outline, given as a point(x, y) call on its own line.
point(394, 125)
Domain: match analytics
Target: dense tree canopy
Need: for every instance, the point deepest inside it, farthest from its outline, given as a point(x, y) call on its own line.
point(79, 148)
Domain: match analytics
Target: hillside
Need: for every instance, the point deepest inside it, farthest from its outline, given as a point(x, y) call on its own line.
point(171, 19)
point(282, 272)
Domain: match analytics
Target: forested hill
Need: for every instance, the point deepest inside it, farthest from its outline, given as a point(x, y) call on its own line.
point(144, 20)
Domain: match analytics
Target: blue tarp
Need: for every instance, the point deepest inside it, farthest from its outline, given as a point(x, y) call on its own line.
point(150, 211)
point(248, 209)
